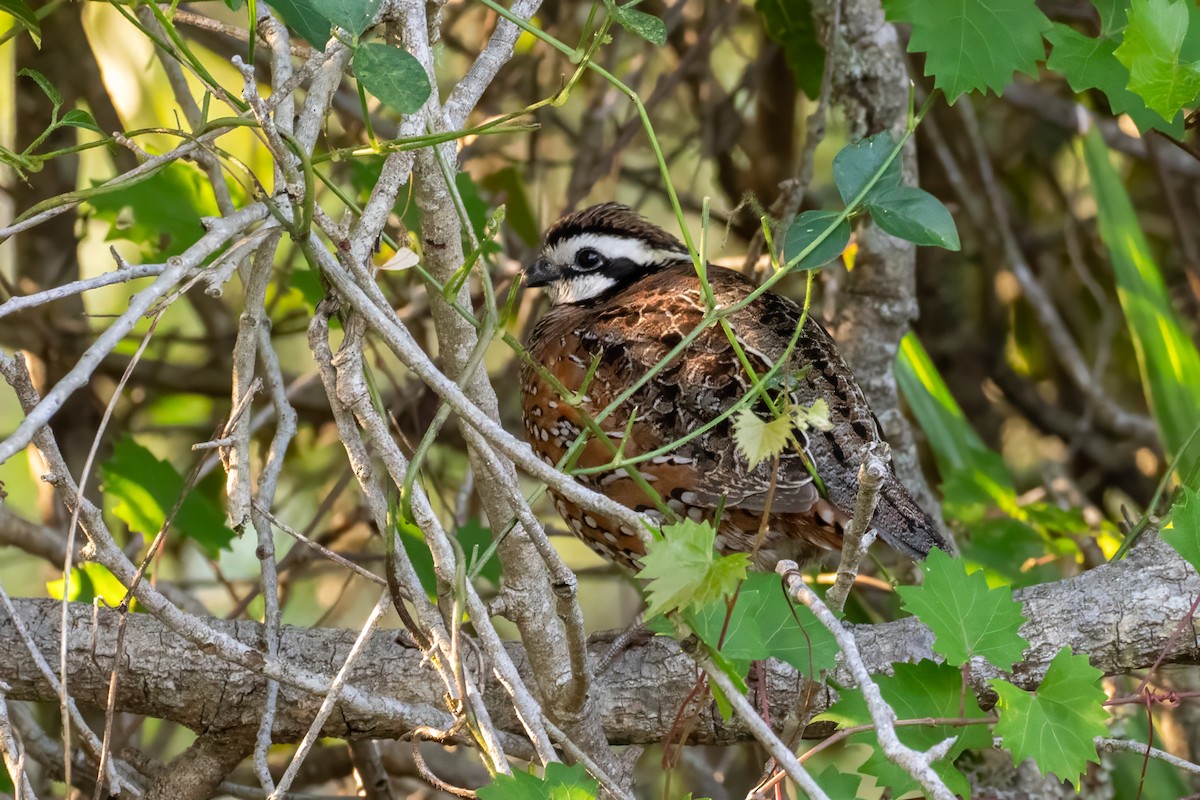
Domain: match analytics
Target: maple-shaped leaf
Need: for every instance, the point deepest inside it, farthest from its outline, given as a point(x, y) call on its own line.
point(968, 618)
point(1089, 63)
point(683, 569)
point(561, 783)
point(1056, 726)
point(758, 439)
point(1152, 50)
point(973, 45)
point(1184, 531)
point(916, 691)
point(765, 624)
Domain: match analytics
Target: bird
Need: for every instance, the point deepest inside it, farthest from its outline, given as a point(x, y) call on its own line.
point(623, 294)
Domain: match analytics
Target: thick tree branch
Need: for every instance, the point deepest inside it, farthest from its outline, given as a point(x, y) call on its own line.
point(1121, 615)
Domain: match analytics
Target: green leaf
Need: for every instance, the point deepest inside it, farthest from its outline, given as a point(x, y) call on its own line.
point(1008, 551)
point(973, 45)
point(759, 440)
point(1112, 15)
point(23, 15)
point(354, 16)
point(789, 23)
point(1167, 357)
point(805, 229)
point(837, 783)
point(683, 569)
point(1152, 50)
point(955, 444)
point(78, 118)
point(1089, 63)
point(765, 624)
point(855, 166)
point(916, 691)
point(914, 215)
point(314, 19)
point(307, 18)
point(639, 23)
point(967, 617)
point(145, 490)
point(163, 211)
point(1055, 726)
point(1184, 531)
point(90, 581)
point(393, 75)
point(561, 783)
point(44, 84)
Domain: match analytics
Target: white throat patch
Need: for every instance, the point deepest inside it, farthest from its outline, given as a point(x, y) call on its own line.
point(578, 288)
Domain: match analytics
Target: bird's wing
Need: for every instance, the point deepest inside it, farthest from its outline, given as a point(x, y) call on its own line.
point(636, 332)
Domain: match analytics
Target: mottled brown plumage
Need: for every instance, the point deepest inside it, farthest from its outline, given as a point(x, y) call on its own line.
point(623, 308)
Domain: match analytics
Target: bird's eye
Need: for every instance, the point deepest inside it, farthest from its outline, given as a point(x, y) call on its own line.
point(588, 259)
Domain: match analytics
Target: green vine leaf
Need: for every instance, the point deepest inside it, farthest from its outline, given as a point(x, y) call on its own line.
point(805, 229)
point(683, 569)
point(973, 45)
point(393, 75)
point(759, 439)
point(1056, 726)
point(857, 163)
point(23, 15)
point(967, 617)
point(1153, 52)
point(916, 691)
point(561, 783)
point(914, 215)
point(1089, 63)
point(1184, 531)
point(639, 23)
point(763, 623)
point(789, 23)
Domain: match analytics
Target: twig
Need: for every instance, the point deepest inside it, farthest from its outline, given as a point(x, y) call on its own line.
point(857, 538)
point(784, 757)
point(913, 762)
point(10, 748)
point(121, 275)
point(1111, 745)
point(317, 546)
point(331, 697)
point(219, 232)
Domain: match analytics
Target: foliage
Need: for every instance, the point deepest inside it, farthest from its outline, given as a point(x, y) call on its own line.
point(1017, 523)
point(924, 690)
point(973, 45)
point(681, 568)
point(147, 489)
point(763, 623)
point(967, 617)
point(1168, 359)
point(1056, 725)
point(559, 783)
point(1184, 531)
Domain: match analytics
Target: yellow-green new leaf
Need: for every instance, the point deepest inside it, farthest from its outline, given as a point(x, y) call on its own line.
point(758, 439)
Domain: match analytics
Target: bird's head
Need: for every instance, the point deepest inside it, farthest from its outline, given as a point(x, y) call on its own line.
point(599, 250)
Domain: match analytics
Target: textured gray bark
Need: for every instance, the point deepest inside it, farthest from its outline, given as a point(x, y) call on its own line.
point(879, 298)
point(1120, 615)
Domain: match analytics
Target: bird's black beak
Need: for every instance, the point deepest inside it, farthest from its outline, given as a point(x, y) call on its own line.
point(540, 273)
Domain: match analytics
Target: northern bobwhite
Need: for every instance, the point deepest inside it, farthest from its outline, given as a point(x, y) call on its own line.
point(624, 292)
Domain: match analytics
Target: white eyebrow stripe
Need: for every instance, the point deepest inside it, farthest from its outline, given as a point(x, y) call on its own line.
point(611, 247)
